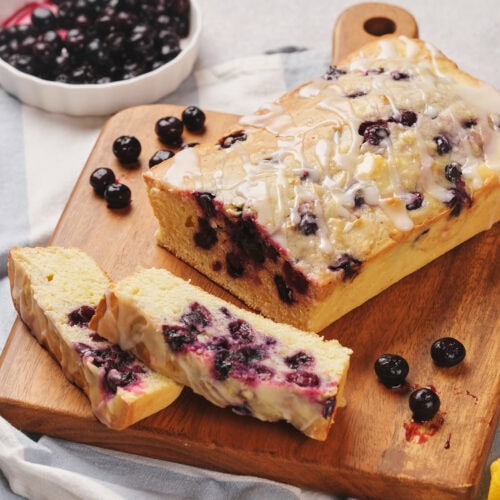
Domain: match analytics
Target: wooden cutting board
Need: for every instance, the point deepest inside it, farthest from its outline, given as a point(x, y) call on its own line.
point(368, 452)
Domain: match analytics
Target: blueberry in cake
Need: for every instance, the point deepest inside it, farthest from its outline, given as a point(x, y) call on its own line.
point(55, 291)
point(342, 187)
point(232, 357)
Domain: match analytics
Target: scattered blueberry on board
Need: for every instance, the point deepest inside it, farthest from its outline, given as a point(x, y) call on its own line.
point(424, 404)
point(447, 352)
point(117, 195)
point(101, 178)
point(94, 41)
point(169, 130)
point(127, 149)
point(391, 369)
point(193, 119)
point(159, 156)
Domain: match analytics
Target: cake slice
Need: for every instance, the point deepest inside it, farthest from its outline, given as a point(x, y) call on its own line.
point(342, 187)
point(55, 291)
point(233, 358)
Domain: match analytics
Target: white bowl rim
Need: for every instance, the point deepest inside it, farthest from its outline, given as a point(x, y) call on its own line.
point(191, 42)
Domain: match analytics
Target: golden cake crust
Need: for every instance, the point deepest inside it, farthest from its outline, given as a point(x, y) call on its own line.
point(339, 177)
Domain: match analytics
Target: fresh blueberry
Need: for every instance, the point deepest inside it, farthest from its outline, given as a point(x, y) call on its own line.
point(127, 149)
point(169, 130)
point(117, 195)
point(159, 156)
point(424, 404)
point(447, 352)
point(101, 178)
point(43, 19)
point(391, 369)
point(193, 118)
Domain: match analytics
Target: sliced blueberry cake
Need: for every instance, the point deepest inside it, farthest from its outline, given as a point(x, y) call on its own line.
point(55, 291)
point(232, 357)
point(345, 185)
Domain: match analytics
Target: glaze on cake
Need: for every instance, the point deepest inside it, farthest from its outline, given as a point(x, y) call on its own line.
point(348, 183)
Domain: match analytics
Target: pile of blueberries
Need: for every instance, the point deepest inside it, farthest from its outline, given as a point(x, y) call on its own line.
point(96, 41)
point(127, 148)
point(392, 369)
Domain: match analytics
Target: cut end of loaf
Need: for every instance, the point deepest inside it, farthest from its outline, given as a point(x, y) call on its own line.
point(55, 291)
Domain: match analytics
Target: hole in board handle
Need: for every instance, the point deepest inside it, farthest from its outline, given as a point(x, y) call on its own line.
point(379, 26)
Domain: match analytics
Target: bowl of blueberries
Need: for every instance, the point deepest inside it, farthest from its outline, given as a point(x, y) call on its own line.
point(96, 57)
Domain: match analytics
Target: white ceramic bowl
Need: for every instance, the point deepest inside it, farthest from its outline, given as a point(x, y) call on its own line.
point(106, 98)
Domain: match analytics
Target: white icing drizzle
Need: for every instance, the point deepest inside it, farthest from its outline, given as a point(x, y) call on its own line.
point(327, 163)
point(412, 47)
point(395, 209)
point(387, 49)
point(323, 149)
point(311, 90)
point(185, 165)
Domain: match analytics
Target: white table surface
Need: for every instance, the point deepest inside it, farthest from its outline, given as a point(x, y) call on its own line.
point(466, 31)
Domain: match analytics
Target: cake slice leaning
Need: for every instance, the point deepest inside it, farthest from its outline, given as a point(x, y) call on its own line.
point(55, 291)
point(343, 186)
point(232, 357)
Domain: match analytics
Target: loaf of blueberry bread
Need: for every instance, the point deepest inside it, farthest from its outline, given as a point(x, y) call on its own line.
point(342, 187)
point(55, 291)
point(232, 357)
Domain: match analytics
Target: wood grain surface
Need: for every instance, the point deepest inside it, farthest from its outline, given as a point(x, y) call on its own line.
point(368, 453)
point(363, 23)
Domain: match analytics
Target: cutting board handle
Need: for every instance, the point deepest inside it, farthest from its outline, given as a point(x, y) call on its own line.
point(365, 22)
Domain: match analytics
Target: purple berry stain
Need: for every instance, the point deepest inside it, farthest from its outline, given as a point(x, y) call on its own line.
point(120, 367)
point(303, 378)
point(333, 73)
point(228, 140)
point(81, 316)
point(299, 359)
point(206, 203)
point(205, 237)
point(348, 264)
point(284, 292)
